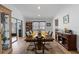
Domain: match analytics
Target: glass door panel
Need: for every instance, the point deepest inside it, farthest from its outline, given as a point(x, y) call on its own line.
point(5, 31)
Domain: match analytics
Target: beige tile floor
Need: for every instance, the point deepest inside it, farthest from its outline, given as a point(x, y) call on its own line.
point(20, 47)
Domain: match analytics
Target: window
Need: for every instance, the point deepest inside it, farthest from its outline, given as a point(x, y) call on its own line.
point(35, 25)
point(42, 25)
point(39, 25)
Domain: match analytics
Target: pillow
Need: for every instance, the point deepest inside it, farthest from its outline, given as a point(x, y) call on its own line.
point(34, 34)
point(44, 33)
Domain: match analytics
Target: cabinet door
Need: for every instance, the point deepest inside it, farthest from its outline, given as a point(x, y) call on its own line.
point(72, 42)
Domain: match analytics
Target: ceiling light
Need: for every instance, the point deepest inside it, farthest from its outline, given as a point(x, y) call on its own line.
point(39, 15)
point(38, 7)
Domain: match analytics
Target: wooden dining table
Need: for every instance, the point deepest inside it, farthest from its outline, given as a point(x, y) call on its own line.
point(45, 39)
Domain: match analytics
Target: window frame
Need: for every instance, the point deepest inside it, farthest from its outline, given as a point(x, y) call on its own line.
point(39, 26)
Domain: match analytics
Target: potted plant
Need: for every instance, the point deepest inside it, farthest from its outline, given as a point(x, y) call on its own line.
point(5, 46)
point(4, 38)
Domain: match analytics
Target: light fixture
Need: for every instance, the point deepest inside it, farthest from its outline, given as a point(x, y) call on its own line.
point(39, 15)
point(38, 7)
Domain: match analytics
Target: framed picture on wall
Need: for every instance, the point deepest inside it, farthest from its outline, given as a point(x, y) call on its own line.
point(66, 19)
point(48, 24)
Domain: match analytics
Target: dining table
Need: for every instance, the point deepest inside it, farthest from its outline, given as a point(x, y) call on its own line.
point(46, 38)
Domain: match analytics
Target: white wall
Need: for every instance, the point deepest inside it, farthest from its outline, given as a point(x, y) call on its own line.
point(15, 12)
point(73, 12)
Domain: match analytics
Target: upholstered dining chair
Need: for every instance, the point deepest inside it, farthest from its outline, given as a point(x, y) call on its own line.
point(50, 34)
point(39, 45)
point(31, 45)
point(38, 49)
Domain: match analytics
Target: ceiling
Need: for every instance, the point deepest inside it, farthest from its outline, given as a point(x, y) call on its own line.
point(46, 10)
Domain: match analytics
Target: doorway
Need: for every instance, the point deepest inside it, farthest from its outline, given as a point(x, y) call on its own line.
point(20, 28)
point(14, 29)
point(17, 29)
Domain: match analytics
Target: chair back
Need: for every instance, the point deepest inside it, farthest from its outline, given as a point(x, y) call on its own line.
point(28, 33)
point(48, 32)
point(51, 34)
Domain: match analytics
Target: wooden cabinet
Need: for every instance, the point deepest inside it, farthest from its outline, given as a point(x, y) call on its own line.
point(5, 30)
point(66, 40)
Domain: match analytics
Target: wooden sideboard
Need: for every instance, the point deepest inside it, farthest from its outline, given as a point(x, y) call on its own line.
point(66, 40)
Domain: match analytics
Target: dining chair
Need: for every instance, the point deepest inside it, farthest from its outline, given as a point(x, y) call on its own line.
point(39, 45)
point(48, 43)
point(32, 43)
point(51, 34)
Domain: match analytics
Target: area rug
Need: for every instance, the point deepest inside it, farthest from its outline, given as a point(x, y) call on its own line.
point(52, 49)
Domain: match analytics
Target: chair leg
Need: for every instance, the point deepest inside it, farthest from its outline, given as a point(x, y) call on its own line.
point(35, 48)
point(43, 48)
